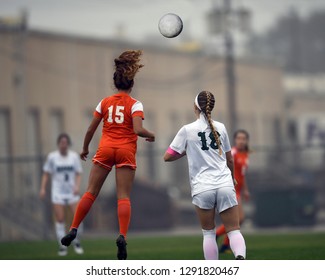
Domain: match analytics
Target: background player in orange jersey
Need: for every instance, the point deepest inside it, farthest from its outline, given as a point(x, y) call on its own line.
point(240, 153)
point(122, 118)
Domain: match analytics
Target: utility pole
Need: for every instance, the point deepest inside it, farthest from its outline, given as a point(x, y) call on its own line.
point(230, 69)
point(19, 78)
point(221, 22)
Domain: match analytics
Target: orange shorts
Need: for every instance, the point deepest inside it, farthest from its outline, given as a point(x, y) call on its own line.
point(108, 157)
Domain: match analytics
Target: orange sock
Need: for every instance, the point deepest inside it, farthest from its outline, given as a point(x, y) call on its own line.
point(124, 215)
point(83, 208)
point(221, 230)
point(226, 241)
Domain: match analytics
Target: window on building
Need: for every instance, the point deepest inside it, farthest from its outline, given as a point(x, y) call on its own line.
point(5, 155)
point(33, 133)
point(33, 163)
point(56, 126)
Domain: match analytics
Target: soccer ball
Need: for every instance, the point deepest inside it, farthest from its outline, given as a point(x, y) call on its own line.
point(170, 25)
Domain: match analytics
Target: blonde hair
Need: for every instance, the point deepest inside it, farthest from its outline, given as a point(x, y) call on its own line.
point(126, 67)
point(206, 102)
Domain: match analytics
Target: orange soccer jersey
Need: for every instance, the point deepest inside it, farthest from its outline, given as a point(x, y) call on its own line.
point(240, 167)
point(118, 143)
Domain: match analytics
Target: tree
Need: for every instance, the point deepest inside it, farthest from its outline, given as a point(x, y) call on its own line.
point(296, 42)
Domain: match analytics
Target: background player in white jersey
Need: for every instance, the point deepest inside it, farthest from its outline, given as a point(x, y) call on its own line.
point(206, 144)
point(64, 168)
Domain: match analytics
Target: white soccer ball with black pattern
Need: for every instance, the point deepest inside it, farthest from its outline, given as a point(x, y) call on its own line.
point(170, 25)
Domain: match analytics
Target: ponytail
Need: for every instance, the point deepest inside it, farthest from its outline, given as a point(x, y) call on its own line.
point(206, 103)
point(126, 67)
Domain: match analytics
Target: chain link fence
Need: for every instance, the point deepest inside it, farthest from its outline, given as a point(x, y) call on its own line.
point(287, 189)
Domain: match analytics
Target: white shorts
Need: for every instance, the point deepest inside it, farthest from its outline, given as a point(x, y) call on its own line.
point(64, 199)
point(220, 198)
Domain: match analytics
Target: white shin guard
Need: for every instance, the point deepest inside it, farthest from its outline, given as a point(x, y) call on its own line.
point(60, 231)
point(237, 243)
point(210, 247)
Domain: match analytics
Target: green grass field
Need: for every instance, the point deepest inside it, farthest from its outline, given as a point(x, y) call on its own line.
point(309, 246)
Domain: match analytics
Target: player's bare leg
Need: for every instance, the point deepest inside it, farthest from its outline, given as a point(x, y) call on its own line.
point(230, 219)
point(207, 220)
point(225, 248)
point(124, 181)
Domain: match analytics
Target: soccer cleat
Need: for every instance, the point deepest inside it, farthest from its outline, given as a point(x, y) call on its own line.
point(78, 249)
point(66, 240)
point(63, 251)
point(121, 248)
point(239, 257)
point(225, 249)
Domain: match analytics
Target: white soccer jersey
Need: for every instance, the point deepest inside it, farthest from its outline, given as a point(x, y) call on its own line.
point(63, 170)
point(207, 169)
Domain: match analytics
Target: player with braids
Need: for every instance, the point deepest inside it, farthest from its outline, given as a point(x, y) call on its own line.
point(206, 144)
point(122, 118)
point(207, 111)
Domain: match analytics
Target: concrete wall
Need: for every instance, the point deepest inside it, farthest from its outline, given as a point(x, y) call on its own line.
point(64, 78)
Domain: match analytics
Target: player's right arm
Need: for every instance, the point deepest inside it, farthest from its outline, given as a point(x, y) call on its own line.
point(171, 155)
point(89, 135)
point(44, 182)
point(141, 131)
point(177, 148)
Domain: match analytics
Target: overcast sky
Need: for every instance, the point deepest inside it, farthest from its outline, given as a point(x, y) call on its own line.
point(100, 18)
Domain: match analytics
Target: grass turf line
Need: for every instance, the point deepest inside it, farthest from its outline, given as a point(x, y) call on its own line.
point(259, 247)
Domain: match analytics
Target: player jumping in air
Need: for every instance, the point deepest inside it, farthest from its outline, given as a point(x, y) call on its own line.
point(64, 168)
point(205, 143)
point(122, 118)
point(240, 154)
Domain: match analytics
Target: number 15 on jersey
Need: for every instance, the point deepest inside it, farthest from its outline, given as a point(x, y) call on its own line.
point(119, 115)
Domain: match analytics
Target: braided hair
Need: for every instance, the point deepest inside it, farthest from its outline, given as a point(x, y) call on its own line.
point(126, 67)
point(206, 102)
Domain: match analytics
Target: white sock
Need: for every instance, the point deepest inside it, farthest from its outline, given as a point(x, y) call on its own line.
point(237, 243)
point(60, 231)
point(210, 247)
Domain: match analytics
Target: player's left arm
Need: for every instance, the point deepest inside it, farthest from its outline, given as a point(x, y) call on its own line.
point(228, 152)
point(141, 131)
point(230, 164)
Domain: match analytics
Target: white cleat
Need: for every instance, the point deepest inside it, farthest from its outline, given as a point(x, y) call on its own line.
point(63, 251)
point(78, 249)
